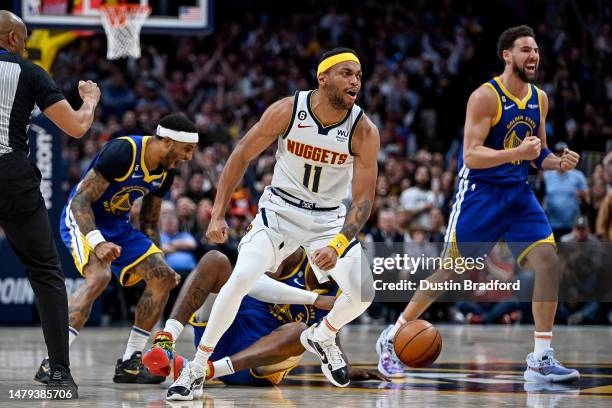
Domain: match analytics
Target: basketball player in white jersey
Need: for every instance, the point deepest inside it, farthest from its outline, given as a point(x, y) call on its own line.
point(326, 144)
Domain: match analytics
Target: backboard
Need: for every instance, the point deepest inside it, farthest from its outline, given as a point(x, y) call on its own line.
point(186, 17)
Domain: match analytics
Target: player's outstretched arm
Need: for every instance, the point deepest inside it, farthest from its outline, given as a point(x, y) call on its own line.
point(91, 189)
point(149, 217)
point(76, 123)
point(482, 109)
point(273, 123)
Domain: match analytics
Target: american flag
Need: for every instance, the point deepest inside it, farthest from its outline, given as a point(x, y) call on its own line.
point(187, 13)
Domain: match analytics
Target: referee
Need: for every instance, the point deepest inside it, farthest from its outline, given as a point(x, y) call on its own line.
point(23, 215)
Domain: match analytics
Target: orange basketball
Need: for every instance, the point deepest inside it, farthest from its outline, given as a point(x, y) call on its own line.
point(417, 343)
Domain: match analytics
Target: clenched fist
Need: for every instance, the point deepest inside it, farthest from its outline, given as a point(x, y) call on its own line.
point(89, 90)
point(217, 231)
point(529, 149)
point(569, 160)
point(107, 252)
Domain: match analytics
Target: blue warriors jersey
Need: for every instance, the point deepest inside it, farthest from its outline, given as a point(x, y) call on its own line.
point(116, 202)
point(130, 179)
point(298, 278)
point(516, 119)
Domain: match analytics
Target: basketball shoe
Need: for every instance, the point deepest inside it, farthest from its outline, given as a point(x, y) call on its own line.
point(61, 385)
point(133, 372)
point(388, 363)
point(333, 364)
point(159, 357)
point(43, 373)
point(188, 385)
point(548, 369)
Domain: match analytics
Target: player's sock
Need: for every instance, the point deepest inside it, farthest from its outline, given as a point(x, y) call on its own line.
point(136, 342)
point(174, 327)
point(221, 367)
point(200, 361)
point(325, 330)
point(391, 333)
point(541, 343)
point(72, 335)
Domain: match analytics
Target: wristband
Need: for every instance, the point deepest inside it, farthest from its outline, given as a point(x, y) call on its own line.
point(339, 243)
point(543, 154)
point(94, 238)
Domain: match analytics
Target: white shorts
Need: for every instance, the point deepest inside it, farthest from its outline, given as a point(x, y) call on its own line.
point(290, 227)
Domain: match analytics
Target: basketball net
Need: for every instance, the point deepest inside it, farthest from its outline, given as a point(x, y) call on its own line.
point(122, 24)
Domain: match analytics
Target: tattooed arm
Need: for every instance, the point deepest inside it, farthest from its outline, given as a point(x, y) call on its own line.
point(365, 146)
point(149, 217)
point(91, 189)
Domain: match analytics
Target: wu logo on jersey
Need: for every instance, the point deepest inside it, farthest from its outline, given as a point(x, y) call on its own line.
point(342, 135)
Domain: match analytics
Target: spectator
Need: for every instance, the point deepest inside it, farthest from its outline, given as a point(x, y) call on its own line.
point(178, 246)
point(419, 200)
point(564, 194)
point(581, 232)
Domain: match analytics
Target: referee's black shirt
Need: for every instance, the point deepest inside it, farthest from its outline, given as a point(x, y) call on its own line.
point(22, 85)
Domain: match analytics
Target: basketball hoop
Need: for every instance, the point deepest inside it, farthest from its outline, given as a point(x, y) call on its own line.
point(122, 24)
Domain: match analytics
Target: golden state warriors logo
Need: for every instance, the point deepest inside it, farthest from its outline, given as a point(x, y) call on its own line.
point(518, 129)
point(123, 199)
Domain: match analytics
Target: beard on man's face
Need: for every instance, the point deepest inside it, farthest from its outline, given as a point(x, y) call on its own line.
point(336, 98)
point(520, 72)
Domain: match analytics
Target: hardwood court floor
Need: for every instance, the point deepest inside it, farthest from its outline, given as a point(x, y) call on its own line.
point(479, 366)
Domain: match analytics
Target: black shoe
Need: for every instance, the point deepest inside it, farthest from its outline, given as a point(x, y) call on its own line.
point(132, 371)
point(333, 363)
point(61, 385)
point(43, 373)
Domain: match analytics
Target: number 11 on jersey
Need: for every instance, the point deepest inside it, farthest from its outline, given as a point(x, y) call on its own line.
point(316, 178)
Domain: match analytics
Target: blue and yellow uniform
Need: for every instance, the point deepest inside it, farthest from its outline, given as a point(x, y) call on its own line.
point(497, 202)
point(122, 163)
point(256, 319)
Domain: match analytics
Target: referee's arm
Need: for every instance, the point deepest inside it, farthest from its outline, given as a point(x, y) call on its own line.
point(75, 123)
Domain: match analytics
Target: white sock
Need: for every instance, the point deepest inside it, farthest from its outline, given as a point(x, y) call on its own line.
point(223, 367)
point(136, 342)
point(324, 330)
point(200, 361)
point(541, 343)
point(391, 334)
point(72, 335)
point(174, 327)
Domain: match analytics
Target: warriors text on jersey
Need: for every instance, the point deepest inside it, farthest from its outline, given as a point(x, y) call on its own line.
point(516, 119)
point(315, 162)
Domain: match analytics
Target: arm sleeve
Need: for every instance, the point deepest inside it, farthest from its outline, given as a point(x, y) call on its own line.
point(115, 159)
point(269, 290)
point(165, 187)
point(46, 90)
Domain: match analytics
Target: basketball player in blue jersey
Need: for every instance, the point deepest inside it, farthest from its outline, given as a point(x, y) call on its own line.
point(96, 230)
point(504, 134)
point(263, 344)
point(326, 145)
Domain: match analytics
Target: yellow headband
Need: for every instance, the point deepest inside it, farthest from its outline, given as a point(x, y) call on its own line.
point(329, 62)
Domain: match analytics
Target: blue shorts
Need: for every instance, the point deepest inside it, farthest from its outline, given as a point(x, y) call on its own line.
point(484, 213)
point(244, 331)
point(135, 246)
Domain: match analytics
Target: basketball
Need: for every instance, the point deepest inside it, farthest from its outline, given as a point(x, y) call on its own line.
point(417, 343)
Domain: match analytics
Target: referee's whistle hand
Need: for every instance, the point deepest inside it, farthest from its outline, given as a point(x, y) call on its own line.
point(107, 251)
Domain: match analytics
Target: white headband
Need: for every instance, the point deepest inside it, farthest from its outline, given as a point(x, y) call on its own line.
point(185, 137)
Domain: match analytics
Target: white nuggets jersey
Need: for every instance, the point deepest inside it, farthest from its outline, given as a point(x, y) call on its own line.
point(314, 162)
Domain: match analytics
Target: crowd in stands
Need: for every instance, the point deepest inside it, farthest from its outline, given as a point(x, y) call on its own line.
point(420, 60)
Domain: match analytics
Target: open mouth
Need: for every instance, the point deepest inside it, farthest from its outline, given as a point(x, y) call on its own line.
point(530, 68)
point(352, 93)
